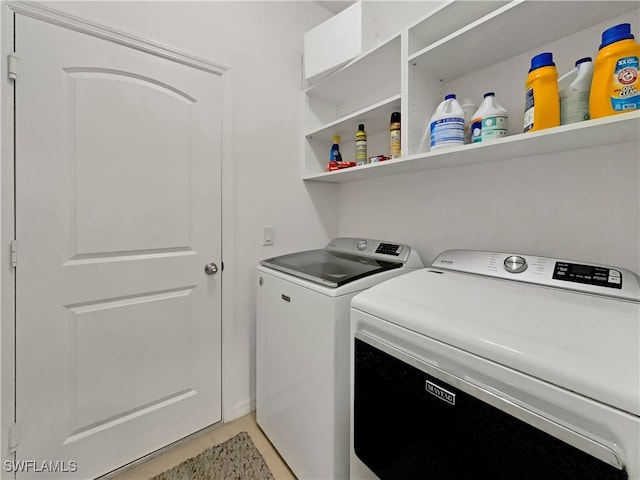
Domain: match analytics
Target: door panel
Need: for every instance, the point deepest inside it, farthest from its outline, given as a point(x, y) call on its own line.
point(99, 325)
point(118, 210)
point(107, 142)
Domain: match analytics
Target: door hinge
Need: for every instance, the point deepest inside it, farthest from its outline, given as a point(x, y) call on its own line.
point(14, 253)
point(12, 61)
point(14, 437)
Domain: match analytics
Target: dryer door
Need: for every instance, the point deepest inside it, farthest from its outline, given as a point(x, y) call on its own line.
point(414, 421)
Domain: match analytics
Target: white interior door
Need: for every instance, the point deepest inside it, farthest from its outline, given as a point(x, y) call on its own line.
point(118, 334)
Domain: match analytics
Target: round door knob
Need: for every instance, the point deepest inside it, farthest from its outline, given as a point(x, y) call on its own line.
point(211, 268)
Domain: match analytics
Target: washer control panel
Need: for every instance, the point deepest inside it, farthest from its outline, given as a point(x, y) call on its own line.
point(588, 274)
point(552, 272)
point(377, 249)
point(389, 249)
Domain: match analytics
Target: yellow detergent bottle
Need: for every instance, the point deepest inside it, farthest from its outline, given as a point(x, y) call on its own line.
point(542, 102)
point(615, 87)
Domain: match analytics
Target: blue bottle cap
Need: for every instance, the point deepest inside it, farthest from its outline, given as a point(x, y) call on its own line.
point(615, 34)
point(582, 60)
point(489, 94)
point(542, 60)
point(451, 95)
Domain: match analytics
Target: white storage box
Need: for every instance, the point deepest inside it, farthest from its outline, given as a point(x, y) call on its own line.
point(333, 43)
point(356, 30)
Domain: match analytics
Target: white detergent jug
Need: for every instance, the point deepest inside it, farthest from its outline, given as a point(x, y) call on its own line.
point(469, 108)
point(574, 88)
point(490, 120)
point(447, 124)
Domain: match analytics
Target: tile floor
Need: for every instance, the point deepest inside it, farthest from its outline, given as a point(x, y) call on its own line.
point(200, 442)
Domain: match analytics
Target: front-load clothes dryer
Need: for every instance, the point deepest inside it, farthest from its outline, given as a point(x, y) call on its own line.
point(302, 347)
point(498, 366)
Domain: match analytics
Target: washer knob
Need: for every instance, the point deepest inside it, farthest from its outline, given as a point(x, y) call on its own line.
point(362, 245)
point(515, 264)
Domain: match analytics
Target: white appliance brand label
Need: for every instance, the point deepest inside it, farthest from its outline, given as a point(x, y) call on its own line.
point(441, 393)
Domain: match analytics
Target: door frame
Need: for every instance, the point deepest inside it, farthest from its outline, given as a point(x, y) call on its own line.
point(7, 196)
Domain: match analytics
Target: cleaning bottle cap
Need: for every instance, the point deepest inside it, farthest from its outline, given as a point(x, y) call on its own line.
point(582, 60)
point(395, 117)
point(615, 34)
point(361, 127)
point(489, 94)
point(336, 139)
point(544, 59)
point(451, 95)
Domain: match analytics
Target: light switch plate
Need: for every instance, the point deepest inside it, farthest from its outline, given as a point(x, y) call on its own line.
point(267, 235)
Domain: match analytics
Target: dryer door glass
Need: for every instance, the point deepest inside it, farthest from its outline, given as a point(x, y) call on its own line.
point(411, 425)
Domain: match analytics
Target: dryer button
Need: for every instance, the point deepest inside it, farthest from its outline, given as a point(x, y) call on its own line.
point(515, 264)
point(362, 244)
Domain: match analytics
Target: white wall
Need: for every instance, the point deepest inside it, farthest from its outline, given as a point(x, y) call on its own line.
point(583, 205)
point(262, 43)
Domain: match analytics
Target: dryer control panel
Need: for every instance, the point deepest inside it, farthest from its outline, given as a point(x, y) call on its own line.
point(553, 272)
point(588, 274)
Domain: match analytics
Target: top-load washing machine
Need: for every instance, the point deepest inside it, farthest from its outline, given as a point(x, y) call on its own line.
point(302, 347)
point(497, 366)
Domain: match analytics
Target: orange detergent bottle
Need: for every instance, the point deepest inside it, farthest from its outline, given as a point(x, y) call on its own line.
point(542, 102)
point(615, 87)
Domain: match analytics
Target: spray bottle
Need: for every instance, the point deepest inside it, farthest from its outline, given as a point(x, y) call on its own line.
point(334, 155)
point(394, 135)
point(361, 146)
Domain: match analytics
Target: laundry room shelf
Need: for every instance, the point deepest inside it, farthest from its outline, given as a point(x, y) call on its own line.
point(593, 133)
point(465, 48)
point(377, 70)
point(449, 17)
point(523, 25)
point(375, 117)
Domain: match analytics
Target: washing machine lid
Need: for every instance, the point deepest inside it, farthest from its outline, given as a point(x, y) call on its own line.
point(579, 341)
point(328, 268)
point(343, 260)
